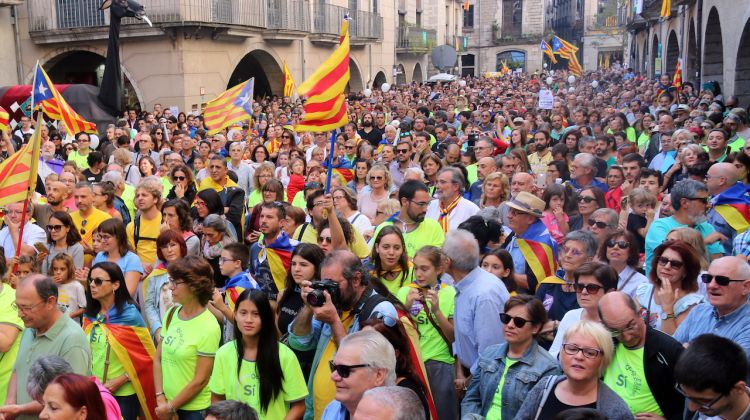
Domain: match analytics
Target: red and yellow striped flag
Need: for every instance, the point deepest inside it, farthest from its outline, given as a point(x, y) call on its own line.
point(18, 173)
point(232, 106)
point(4, 120)
point(666, 8)
point(326, 106)
point(288, 80)
point(55, 106)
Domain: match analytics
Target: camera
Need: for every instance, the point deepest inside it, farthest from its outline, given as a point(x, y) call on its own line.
point(316, 298)
point(472, 140)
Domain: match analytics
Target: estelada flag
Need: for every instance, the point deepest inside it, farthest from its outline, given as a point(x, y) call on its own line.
point(4, 120)
point(734, 206)
point(130, 341)
point(44, 93)
point(230, 107)
point(279, 256)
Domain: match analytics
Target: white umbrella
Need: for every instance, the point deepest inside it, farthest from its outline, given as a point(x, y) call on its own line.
point(442, 77)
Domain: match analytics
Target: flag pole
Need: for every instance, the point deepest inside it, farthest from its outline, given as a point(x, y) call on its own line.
point(330, 161)
point(31, 186)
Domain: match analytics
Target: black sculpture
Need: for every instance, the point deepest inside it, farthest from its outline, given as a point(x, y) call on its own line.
point(110, 91)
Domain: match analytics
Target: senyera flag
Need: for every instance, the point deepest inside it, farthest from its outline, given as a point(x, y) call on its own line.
point(18, 173)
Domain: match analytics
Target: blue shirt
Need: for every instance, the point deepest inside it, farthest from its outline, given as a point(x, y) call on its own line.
point(480, 297)
point(594, 183)
point(659, 229)
point(127, 263)
point(334, 411)
point(704, 319)
point(536, 232)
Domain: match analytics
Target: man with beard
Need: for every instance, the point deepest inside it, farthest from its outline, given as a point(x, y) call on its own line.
point(57, 192)
point(450, 209)
point(418, 231)
point(369, 131)
point(323, 327)
point(50, 163)
point(269, 271)
point(232, 196)
point(539, 160)
point(689, 200)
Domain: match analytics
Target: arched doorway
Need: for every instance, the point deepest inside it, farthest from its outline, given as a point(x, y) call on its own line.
point(655, 57)
point(514, 59)
point(417, 74)
point(355, 77)
point(742, 69)
point(401, 76)
point(379, 80)
point(86, 67)
point(713, 59)
point(692, 67)
point(673, 53)
point(266, 70)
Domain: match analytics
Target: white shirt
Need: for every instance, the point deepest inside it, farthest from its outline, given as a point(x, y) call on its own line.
point(629, 280)
point(570, 318)
point(458, 215)
point(31, 234)
point(361, 222)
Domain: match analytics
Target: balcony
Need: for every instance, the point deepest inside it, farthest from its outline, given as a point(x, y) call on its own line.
point(287, 19)
point(363, 26)
point(461, 43)
point(605, 23)
point(415, 40)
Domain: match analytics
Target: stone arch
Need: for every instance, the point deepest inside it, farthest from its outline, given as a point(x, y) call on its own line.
point(266, 69)
point(401, 76)
point(742, 68)
point(417, 75)
point(692, 66)
point(379, 80)
point(673, 53)
point(355, 77)
point(86, 66)
point(713, 58)
point(655, 54)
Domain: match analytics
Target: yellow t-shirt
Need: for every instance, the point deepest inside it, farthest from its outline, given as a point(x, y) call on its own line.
point(8, 316)
point(98, 341)
point(428, 232)
point(324, 389)
point(208, 182)
point(147, 234)
point(89, 224)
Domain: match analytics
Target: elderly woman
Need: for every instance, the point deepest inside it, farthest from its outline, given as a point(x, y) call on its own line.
point(602, 222)
point(72, 396)
point(183, 184)
point(190, 338)
point(673, 289)
point(346, 205)
point(263, 173)
point(620, 251)
point(587, 350)
point(379, 180)
point(124, 158)
point(215, 236)
point(690, 155)
point(170, 247)
point(558, 292)
point(507, 372)
point(592, 281)
point(109, 308)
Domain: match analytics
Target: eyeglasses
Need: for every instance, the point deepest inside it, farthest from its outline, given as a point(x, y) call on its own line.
point(702, 405)
point(54, 228)
point(573, 349)
point(28, 308)
point(674, 263)
point(175, 282)
point(337, 197)
point(223, 260)
point(517, 320)
point(344, 370)
point(402, 151)
point(600, 225)
point(703, 200)
point(572, 251)
point(720, 280)
point(420, 203)
point(616, 333)
point(159, 133)
point(620, 244)
point(179, 178)
point(98, 281)
point(325, 239)
point(586, 199)
point(590, 288)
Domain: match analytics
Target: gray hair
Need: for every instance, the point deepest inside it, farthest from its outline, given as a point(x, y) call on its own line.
point(416, 171)
point(586, 159)
point(585, 139)
point(375, 351)
point(456, 176)
point(115, 178)
point(687, 188)
point(491, 214)
point(231, 410)
point(45, 287)
point(42, 371)
point(586, 238)
point(612, 218)
point(350, 264)
point(405, 402)
point(216, 222)
point(463, 249)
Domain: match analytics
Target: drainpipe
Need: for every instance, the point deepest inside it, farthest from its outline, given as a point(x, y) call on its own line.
point(302, 57)
point(17, 38)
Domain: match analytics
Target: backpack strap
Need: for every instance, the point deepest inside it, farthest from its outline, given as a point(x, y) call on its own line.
point(136, 231)
point(369, 305)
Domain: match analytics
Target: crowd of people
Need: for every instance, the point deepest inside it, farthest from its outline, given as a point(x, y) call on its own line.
point(454, 252)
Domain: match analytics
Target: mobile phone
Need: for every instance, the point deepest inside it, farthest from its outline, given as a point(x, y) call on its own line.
point(41, 248)
point(472, 140)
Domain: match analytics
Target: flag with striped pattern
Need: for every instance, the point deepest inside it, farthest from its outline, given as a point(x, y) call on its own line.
point(666, 9)
point(4, 120)
point(288, 80)
point(325, 108)
point(232, 106)
point(55, 106)
point(18, 173)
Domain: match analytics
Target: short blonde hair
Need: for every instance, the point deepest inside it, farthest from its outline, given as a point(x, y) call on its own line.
point(386, 173)
point(152, 185)
point(599, 334)
point(123, 157)
point(642, 196)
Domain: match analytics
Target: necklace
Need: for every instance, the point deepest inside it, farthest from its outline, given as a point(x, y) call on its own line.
point(405, 225)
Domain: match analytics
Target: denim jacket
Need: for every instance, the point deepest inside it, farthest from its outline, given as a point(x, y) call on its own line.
point(535, 364)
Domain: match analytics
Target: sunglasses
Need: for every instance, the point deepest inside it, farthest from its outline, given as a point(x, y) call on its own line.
point(586, 199)
point(620, 244)
point(590, 288)
point(179, 178)
point(517, 321)
point(376, 178)
point(98, 281)
point(674, 263)
point(54, 228)
point(83, 226)
point(325, 239)
point(600, 225)
point(720, 280)
point(344, 370)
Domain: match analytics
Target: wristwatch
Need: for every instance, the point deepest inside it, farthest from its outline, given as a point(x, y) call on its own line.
point(665, 316)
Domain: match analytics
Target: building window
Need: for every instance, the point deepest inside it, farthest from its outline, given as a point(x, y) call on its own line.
point(467, 65)
point(513, 59)
point(469, 17)
point(512, 18)
point(375, 7)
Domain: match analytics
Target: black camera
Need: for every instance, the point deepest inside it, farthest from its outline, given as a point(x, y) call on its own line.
point(317, 298)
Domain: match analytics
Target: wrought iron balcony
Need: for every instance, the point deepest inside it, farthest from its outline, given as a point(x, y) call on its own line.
point(363, 26)
point(288, 15)
point(415, 40)
point(607, 23)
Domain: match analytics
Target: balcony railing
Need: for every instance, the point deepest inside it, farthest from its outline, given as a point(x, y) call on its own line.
point(365, 25)
point(328, 18)
point(414, 39)
point(293, 15)
point(605, 23)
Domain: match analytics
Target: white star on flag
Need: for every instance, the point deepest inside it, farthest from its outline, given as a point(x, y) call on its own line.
point(42, 89)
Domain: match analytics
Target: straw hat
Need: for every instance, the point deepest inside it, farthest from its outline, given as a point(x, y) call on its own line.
point(527, 203)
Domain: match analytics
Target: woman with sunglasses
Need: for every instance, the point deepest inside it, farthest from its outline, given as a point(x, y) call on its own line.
point(183, 185)
point(190, 338)
point(206, 202)
point(620, 251)
point(506, 372)
point(170, 247)
point(379, 180)
point(587, 350)
point(255, 368)
point(589, 199)
point(592, 281)
point(673, 288)
point(62, 237)
point(114, 247)
point(346, 206)
point(110, 315)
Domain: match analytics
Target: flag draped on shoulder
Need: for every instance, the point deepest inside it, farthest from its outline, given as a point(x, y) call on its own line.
point(55, 106)
point(18, 173)
point(547, 49)
point(734, 206)
point(279, 256)
point(232, 106)
point(130, 341)
point(326, 108)
point(288, 81)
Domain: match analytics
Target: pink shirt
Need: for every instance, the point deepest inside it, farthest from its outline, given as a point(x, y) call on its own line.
point(110, 403)
point(550, 221)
